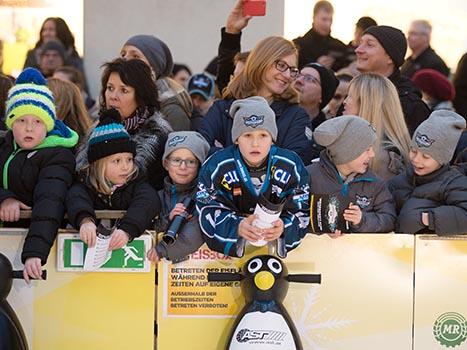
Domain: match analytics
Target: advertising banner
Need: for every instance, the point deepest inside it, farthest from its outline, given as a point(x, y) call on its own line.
point(365, 299)
point(82, 310)
point(440, 320)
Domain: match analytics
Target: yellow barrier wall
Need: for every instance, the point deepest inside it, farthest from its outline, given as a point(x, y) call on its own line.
point(82, 311)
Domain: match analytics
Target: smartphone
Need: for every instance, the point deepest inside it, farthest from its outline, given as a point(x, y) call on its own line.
point(254, 7)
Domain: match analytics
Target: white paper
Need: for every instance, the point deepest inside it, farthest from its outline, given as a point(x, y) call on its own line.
point(97, 255)
point(264, 219)
point(77, 249)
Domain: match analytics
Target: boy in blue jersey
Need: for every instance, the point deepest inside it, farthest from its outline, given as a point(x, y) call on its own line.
point(232, 181)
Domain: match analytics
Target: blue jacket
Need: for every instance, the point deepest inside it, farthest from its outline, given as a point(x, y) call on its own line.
point(224, 198)
point(291, 120)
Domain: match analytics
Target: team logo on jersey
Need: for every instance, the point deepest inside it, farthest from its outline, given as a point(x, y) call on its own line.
point(363, 201)
point(423, 140)
point(228, 179)
point(253, 121)
point(174, 141)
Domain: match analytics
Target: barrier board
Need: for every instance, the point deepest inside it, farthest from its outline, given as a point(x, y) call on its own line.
point(76, 310)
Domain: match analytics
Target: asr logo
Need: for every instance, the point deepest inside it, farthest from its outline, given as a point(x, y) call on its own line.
point(253, 121)
point(174, 141)
point(450, 329)
point(423, 140)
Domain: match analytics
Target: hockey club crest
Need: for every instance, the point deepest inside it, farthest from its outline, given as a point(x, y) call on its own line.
point(253, 121)
point(423, 140)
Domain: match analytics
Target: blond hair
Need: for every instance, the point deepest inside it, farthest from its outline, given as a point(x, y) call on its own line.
point(70, 105)
point(96, 175)
point(379, 104)
point(263, 56)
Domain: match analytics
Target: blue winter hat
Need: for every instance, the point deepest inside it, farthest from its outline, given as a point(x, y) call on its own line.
point(30, 95)
point(109, 137)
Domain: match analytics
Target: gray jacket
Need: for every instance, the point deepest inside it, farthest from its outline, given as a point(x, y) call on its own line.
point(442, 194)
point(189, 238)
point(366, 190)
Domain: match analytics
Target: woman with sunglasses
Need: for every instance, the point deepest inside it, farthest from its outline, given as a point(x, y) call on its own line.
point(269, 72)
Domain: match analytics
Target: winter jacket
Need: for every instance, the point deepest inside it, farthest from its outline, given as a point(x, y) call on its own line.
point(313, 45)
point(189, 239)
point(460, 84)
point(137, 197)
point(415, 110)
point(391, 163)
point(150, 140)
point(460, 154)
point(226, 196)
point(291, 120)
point(427, 59)
point(365, 190)
point(176, 106)
point(40, 179)
point(442, 194)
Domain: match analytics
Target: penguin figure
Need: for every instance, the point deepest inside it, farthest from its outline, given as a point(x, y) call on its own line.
point(11, 333)
point(264, 323)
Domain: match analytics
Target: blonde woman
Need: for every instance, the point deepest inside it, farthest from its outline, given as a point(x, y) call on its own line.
point(70, 105)
point(374, 98)
point(269, 71)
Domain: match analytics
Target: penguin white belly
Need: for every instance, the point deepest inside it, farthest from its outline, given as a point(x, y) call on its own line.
point(262, 330)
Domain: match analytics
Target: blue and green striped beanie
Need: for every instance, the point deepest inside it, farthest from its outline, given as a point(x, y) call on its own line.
point(30, 96)
point(109, 137)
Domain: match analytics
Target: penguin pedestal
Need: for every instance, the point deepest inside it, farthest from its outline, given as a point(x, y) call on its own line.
point(11, 333)
point(264, 323)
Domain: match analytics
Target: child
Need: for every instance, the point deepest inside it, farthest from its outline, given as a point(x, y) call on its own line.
point(232, 180)
point(185, 151)
point(111, 181)
point(37, 165)
point(432, 195)
point(343, 169)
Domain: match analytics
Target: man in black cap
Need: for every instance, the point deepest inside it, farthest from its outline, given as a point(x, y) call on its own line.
point(316, 86)
point(382, 51)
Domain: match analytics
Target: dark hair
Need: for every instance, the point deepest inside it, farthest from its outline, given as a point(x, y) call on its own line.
point(365, 22)
point(180, 66)
point(323, 5)
point(134, 73)
point(6, 82)
point(74, 74)
point(344, 77)
point(241, 56)
point(62, 31)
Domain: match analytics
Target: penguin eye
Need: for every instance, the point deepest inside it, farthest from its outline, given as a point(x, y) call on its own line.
point(254, 265)
point(275, 265)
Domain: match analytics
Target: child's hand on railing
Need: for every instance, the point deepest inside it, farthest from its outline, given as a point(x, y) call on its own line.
point(10, 208)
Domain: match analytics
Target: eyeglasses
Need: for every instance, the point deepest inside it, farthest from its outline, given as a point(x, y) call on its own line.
point(282, 66)
point(308, 78)
point(177, 162)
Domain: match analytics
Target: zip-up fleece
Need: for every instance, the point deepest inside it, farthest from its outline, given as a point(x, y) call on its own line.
point(39, 178)
point(365, 190)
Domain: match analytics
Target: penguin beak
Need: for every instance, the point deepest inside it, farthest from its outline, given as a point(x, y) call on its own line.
point(264, 280)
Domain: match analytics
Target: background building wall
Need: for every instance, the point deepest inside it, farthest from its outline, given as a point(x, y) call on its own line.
point(190, 28)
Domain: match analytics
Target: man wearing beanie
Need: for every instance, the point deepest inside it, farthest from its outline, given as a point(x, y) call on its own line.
point(431, 196)
point(233, 180)
point(342, 170)
point(52, 57)
point(37, 164)
point(382, 50)
point(185, 152)
point(316, 86)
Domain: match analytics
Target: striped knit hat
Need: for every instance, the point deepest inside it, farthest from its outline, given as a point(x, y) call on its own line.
point(30, 95)
point(109, 137)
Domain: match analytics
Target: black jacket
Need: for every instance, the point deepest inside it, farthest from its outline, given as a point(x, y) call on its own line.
point(137, 197)
point(460, 84)
point(427, 59)
point(415, 110)
point(442, 194)
point(40, 179)
point(313, 45)
point(228, 48)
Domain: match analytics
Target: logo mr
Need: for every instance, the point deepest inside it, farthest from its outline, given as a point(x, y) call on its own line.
point(450, 329)
point(254, 121)
point(174, 141)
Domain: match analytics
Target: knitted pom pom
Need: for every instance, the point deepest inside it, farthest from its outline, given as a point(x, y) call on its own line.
point(31, 76)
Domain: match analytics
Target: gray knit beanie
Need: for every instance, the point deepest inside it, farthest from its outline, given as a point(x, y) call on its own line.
point(438, 135)
point(191, 140)
point(345, 138)
point(392, 40)
point(250, 114)
point(156, 52)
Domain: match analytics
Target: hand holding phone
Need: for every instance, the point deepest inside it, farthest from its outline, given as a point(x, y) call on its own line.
point(254, 7)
